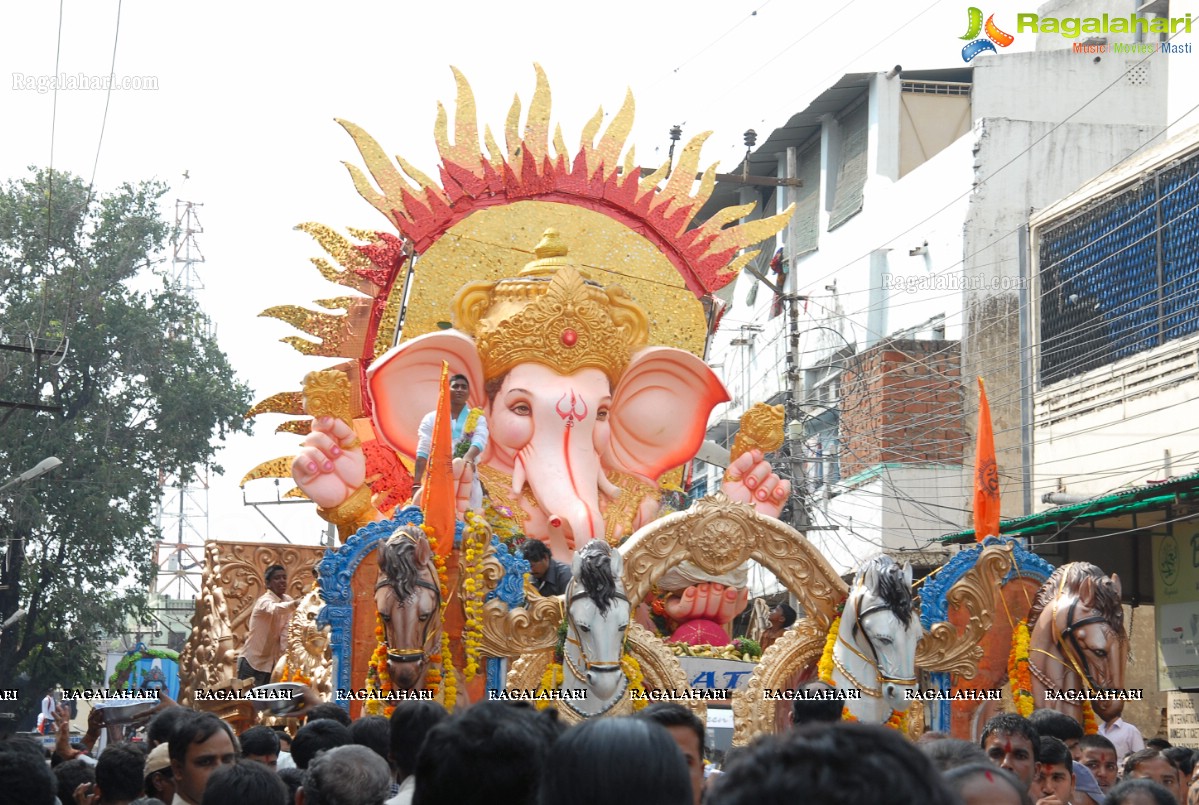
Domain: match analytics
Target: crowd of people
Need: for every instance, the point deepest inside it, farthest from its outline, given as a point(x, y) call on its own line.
point(506, 752)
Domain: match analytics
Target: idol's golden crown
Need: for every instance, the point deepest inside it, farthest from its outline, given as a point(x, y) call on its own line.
point(551, 314)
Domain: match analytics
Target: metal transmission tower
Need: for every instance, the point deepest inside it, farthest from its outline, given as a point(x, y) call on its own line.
point(182, 517)
point(187, 253)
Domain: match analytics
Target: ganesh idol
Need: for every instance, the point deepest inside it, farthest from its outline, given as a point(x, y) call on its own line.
point(584, 418)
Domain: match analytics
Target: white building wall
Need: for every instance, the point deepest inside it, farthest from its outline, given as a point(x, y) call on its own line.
point(1121, 426)
point(902, 509)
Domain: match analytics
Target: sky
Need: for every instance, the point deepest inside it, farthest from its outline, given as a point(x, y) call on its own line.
point(247, 94)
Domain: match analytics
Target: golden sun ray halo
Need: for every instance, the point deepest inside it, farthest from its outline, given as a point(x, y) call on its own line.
point(483, 218)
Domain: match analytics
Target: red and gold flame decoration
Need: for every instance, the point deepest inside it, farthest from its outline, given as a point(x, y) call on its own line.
point(482, 221)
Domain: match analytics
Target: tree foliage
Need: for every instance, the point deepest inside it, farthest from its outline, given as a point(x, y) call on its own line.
point(132, 387)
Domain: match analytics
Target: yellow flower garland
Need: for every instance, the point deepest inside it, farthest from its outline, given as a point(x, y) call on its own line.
point(473, 546)
point(824, 672)
point(449, 687)
point(378, 680)
point(632, 672)
point(553, 678)
point(1018, 672)
point(824, 668)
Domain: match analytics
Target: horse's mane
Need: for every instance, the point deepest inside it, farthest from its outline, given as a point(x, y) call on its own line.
point(595, 574)
point(397, 561)
point(1107, 599)
point(893, 587)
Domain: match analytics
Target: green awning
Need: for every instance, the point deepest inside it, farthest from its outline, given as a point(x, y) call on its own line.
point(1155, 497)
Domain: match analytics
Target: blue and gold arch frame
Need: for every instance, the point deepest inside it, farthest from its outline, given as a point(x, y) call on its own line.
point(335, 574)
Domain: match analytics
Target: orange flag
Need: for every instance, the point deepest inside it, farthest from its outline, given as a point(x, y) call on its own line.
point(986, 473)
point(437, 504)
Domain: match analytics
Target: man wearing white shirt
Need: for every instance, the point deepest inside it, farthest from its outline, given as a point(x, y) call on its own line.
point(469, 442)
point(1124, 736)
point(45, 720)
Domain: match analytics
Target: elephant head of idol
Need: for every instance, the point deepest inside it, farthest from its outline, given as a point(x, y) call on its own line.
point(571, 390)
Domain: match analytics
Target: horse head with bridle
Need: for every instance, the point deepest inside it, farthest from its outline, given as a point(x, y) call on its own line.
point(1076, 635)
point(408, 595)
point(876, 644)
point(597, 618)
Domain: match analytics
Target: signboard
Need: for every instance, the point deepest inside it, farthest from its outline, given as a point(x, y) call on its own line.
point(704, 673)
point(1176, 613)
point(1183, 717)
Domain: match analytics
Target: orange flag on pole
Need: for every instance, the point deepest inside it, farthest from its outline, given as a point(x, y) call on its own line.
point(437, 504)
point(986, 473)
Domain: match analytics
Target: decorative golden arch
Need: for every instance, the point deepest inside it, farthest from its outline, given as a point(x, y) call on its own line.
point(717, 535)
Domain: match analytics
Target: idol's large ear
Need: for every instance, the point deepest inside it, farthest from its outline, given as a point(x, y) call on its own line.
point(660, 410)
point(403, 383)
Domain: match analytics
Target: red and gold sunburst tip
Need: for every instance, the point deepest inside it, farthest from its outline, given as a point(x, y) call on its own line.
point(662, 206)
point(285, 402)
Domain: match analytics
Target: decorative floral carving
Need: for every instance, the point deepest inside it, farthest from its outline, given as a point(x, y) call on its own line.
point(231, 583)
point(761, 428)
point(718, 534)
point(521, 630)
point(207, 661)
point(799, 647)
point(943, 647)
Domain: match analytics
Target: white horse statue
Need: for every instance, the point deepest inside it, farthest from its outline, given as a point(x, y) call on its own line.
point(876, 645)
point(597, 617)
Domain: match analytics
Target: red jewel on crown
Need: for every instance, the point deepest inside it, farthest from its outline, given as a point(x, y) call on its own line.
point(569, 337)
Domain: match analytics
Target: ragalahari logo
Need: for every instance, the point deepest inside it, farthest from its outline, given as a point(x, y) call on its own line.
point(993, 37)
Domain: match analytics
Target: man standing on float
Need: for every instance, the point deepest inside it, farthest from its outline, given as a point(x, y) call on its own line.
point(268, 628)
point(468, 430)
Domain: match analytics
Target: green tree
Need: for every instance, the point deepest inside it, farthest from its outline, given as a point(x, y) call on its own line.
point(123, 384)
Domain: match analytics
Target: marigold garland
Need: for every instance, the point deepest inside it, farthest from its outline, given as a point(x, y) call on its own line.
point(632, 672)
point(552, 679)
point(1018, 672)
point(449, 688)
point(824, 668)
point(293, 676)
point(1089, 725)
point(824, 672)
point(473, 541)
point(378, 679)
point(468, 432)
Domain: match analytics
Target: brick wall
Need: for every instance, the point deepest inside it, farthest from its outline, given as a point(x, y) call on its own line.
point(901, 402)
